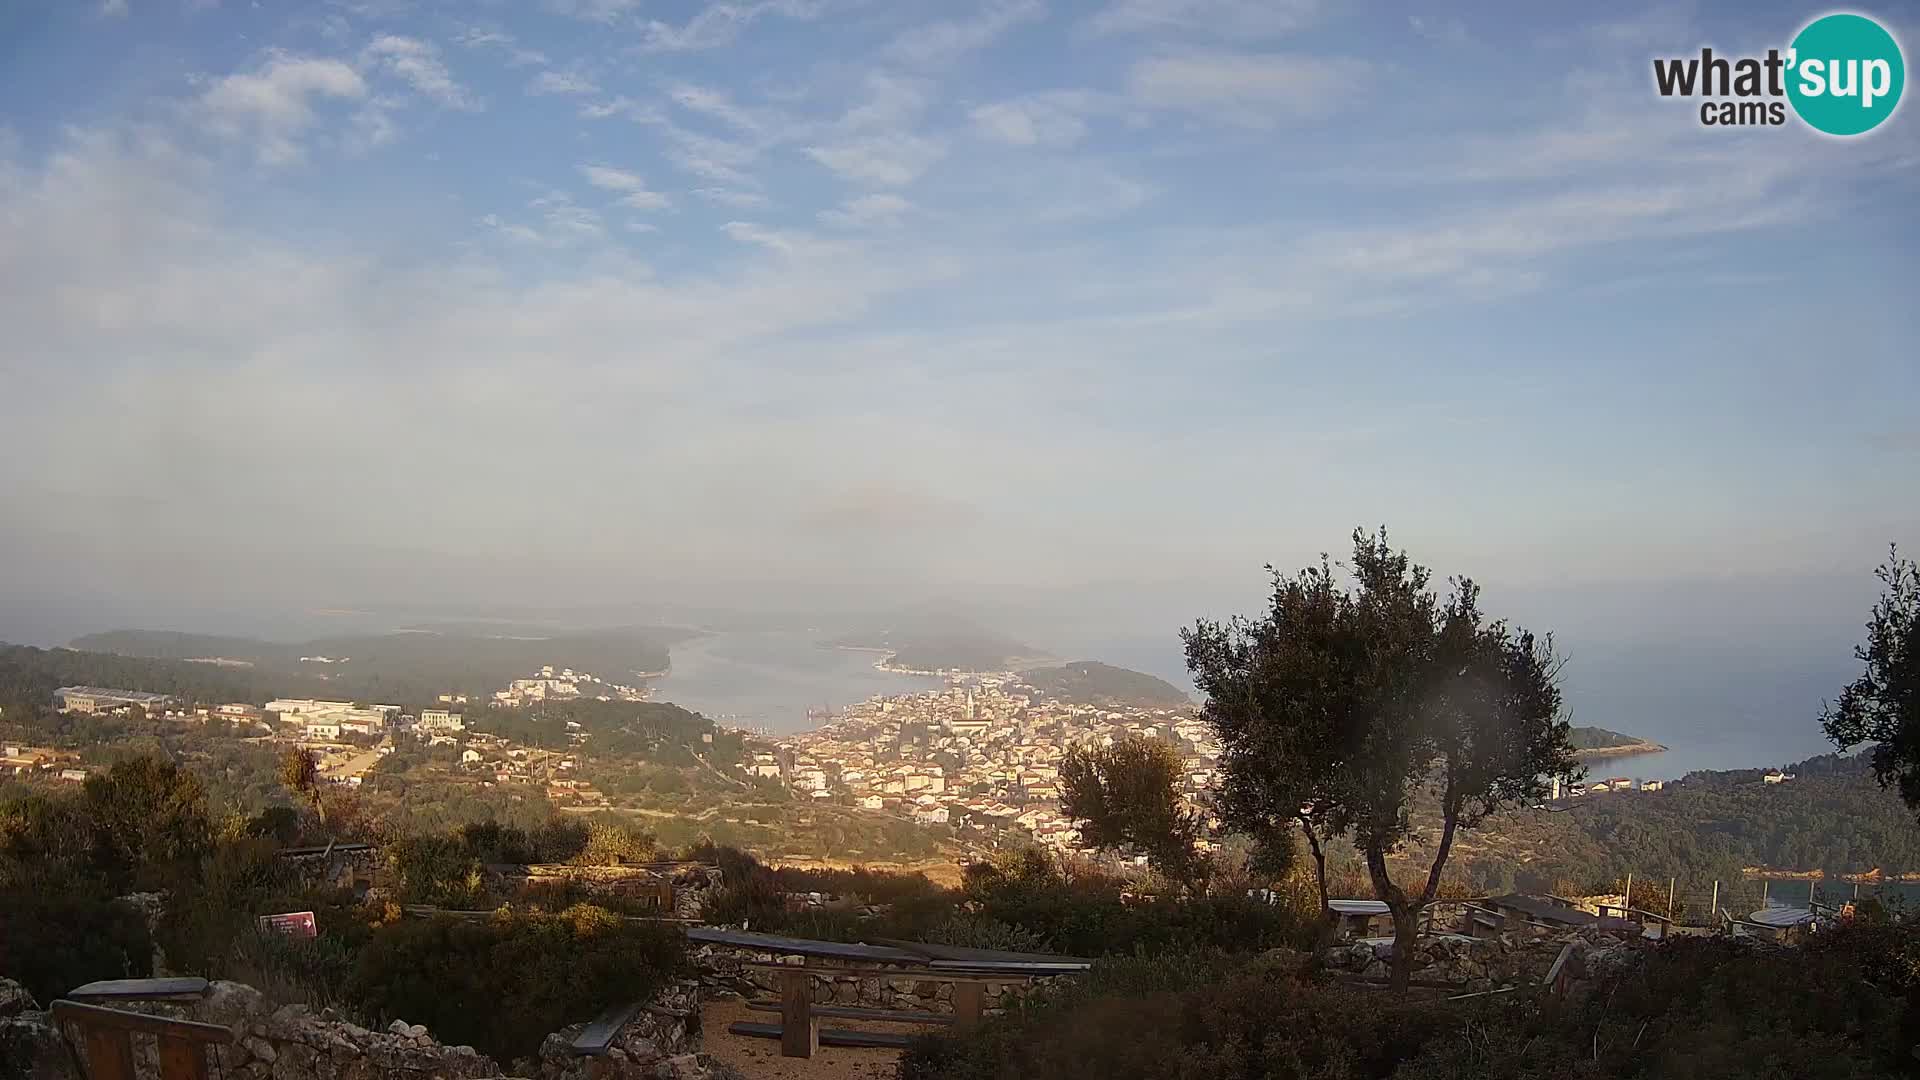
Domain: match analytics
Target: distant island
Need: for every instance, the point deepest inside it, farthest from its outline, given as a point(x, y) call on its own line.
point(1595, 742)
point(1089, 682)
point(412, 663)
point(942, 646)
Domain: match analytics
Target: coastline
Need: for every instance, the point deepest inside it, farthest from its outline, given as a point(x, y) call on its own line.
point(1624, 750)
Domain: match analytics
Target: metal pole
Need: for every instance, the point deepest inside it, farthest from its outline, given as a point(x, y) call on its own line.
point(1716, 902)
point(1670, 882)
point(1764, 883)
point(1627, 900)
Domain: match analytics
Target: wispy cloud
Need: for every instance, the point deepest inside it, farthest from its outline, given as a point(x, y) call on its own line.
point(634, 193)
point(273, 105)
point(418, 64)
point(517, 56)
point(114, 9)
point(1049, 119)
point(562, 82)
point(732, 197)
point(877, 208)
point(1226, 19)
point(719, 24)
point(942, 42)
point(886, 160)
point(1256, 89)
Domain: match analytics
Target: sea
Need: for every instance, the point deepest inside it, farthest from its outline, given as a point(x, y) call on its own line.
point(770, 680)
point(1730, 710)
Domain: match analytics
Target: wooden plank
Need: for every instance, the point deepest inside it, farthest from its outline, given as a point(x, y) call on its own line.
point(921, 974)
point(799, 1037)
point(851, 1012)
point(140, 990)
point(597, 1037)
point(968, 999)
point(109, 1054)
point(182, 1059)
point(94, 1016)
point(887, 1040)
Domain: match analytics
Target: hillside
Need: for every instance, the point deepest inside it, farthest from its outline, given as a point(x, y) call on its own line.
point(1089, 682)
point(1599, 742)
point(944, 644)
point(1710, 826)
point(408, 666)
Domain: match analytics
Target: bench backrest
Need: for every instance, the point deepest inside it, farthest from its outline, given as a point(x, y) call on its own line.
point(106, 1040)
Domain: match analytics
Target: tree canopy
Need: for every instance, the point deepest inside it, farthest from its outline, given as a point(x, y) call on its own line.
point(1128, 796)
point(1882, 706)
point(1356, 692)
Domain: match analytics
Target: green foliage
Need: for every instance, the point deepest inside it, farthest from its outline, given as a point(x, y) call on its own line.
point(502, 984)
point(1598, 738)
point(54, 938)
point(1348, 700)
point(1091, 915)
point(1882, 706)
point(437, 869)
point(1092, 683)
point(1697, 1009)
point(1128, 796)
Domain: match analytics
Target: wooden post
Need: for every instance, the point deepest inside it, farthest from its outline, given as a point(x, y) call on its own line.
point(1627, 900)
point(1716, 900)
point(1670, 884)
point(182, 1059)
point(968, 996)
point(109, 1054)
point(799, 1038)
point(1764, 883)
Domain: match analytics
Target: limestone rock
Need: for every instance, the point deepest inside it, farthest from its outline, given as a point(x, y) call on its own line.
point(14, 999)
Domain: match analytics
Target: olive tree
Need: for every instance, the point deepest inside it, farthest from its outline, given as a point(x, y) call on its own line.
point(1882, 706)
point(1362, 690)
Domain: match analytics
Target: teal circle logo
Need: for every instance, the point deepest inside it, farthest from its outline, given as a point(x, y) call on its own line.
point(1845, 74)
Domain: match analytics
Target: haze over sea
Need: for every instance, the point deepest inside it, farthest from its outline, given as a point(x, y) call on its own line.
point(1709, 718)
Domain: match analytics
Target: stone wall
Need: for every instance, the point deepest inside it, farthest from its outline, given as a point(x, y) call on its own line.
point(723, 971)
point(1519, 957)
point(293, 1042)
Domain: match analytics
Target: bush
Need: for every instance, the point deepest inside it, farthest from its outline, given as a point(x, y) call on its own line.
point(1190, 1017)
point(502, 984)
point(1696, 1009)
point(54, 939)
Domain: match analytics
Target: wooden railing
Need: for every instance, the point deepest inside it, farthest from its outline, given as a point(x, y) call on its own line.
point(105, 1037)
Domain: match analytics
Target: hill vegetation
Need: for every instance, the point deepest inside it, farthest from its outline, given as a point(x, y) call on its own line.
point(412, 665)
point(1089, 682)
point(941, 644)
point(1589, 739)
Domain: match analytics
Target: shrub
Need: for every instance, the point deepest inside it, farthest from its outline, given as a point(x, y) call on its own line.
point(502, 984)
point(1189, 1017)
point(53, 939)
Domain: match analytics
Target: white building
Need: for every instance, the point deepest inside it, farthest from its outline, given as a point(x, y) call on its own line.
point(440, 720)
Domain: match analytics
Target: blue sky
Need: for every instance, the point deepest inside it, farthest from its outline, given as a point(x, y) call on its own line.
point(1091, 307)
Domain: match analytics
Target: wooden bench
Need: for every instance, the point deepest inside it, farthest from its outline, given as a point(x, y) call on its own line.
point(107, 1036)
point(851, 1012)
point(871, 1040)
point(799, 1035)
point(141, 990)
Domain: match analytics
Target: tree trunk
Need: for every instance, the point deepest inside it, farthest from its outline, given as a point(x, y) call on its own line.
point(1320, 879)
point(1405, 916)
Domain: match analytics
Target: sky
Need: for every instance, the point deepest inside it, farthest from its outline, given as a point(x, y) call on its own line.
point(1079, 314)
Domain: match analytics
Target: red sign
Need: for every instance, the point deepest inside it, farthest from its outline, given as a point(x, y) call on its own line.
point(297, 924)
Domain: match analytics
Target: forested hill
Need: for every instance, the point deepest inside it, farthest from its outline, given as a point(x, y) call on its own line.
point(1089, 682)
point(1831, 817)
point(946, 646)
point(407, 666)
point(1599, 738)
point(29, 676)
